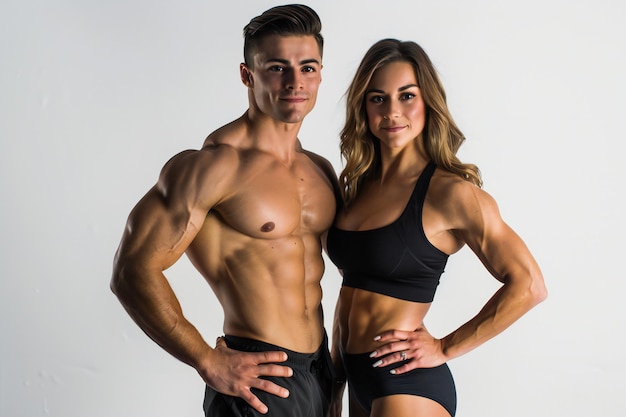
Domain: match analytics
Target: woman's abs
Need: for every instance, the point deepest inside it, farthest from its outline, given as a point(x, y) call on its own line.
point(365, 315)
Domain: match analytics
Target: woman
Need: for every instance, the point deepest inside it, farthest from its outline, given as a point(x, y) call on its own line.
point(409, 204)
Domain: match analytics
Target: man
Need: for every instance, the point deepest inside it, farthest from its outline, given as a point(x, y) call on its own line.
point(249, 209)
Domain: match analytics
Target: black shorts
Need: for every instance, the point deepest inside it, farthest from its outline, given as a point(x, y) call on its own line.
point(368, 383)
point(309, 387)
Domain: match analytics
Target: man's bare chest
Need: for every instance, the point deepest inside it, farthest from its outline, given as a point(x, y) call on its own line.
point(277, 202)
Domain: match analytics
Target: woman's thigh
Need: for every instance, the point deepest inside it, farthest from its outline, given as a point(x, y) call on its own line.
point(402, 405)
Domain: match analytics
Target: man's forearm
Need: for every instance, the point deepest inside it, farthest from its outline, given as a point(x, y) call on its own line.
point(152, 304)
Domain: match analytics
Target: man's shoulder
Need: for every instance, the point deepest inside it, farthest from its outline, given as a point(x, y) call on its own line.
point(206, 158)
point(227, 137)
point(317, 159)
point(208, 170)
point(327, 168)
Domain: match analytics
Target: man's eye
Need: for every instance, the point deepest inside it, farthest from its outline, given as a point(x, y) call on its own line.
point(308, 69)
point(277, 68)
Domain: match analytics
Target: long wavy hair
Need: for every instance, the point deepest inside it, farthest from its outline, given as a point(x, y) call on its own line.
point(361, 149)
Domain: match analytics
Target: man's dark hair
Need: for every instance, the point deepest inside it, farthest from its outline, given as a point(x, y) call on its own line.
point(287, 20)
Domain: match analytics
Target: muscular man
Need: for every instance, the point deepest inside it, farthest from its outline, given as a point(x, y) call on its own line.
point(249, 209)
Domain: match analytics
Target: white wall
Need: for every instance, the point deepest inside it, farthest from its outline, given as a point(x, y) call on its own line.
point(95, 96)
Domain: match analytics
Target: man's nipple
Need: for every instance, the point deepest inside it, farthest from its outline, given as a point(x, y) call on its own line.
point(268, 227)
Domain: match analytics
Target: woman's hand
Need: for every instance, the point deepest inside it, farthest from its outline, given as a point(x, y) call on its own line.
point(416, 349)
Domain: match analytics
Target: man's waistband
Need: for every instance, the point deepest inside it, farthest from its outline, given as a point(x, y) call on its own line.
point(303, 361)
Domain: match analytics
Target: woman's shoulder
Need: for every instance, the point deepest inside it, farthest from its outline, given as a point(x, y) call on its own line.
point(448, 184)
point(458, 196)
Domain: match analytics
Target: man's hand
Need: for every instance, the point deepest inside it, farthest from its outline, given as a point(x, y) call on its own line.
point(418, 347)
point(234, 373)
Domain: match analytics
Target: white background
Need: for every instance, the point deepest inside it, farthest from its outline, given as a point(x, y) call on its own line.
point(95, 96)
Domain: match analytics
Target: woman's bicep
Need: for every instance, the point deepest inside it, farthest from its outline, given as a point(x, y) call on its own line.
point(499, 247)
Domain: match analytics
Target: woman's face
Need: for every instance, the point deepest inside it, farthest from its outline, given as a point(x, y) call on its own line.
point(393, 101)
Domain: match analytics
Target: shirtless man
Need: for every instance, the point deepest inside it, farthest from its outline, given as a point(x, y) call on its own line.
point(249, 209)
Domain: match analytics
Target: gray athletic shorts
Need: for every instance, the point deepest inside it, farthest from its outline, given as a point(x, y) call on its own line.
point(309, 387)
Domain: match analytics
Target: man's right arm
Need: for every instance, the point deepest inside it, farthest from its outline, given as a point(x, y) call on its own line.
point(159, 230)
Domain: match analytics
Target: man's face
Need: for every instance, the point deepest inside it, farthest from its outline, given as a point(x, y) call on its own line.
point(286, 77)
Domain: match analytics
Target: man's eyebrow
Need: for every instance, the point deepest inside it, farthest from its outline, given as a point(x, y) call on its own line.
point(286, 62)
point(404, 87)
point(310, 61)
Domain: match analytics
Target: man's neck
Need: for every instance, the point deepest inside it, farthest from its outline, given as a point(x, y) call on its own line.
point(273, 136)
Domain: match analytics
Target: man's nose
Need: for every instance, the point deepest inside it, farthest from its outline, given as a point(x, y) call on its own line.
point(293, 80)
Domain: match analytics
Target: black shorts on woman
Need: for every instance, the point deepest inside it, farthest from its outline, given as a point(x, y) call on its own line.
point(368, 383)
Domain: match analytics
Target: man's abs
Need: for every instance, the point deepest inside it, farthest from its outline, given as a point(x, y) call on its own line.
point(269, 289)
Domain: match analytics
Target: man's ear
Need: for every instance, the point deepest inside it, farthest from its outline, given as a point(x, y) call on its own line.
point(246, 75)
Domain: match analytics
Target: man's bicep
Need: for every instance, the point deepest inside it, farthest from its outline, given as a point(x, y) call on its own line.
point(166, 220)
point(157, 232)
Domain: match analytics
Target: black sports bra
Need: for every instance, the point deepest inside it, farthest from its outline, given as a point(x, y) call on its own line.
point(395, 260)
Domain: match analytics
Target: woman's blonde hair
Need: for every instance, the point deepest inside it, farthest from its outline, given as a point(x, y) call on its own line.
point(442, 138)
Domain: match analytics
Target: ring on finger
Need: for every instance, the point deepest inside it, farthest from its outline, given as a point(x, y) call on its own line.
point(403, 355)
